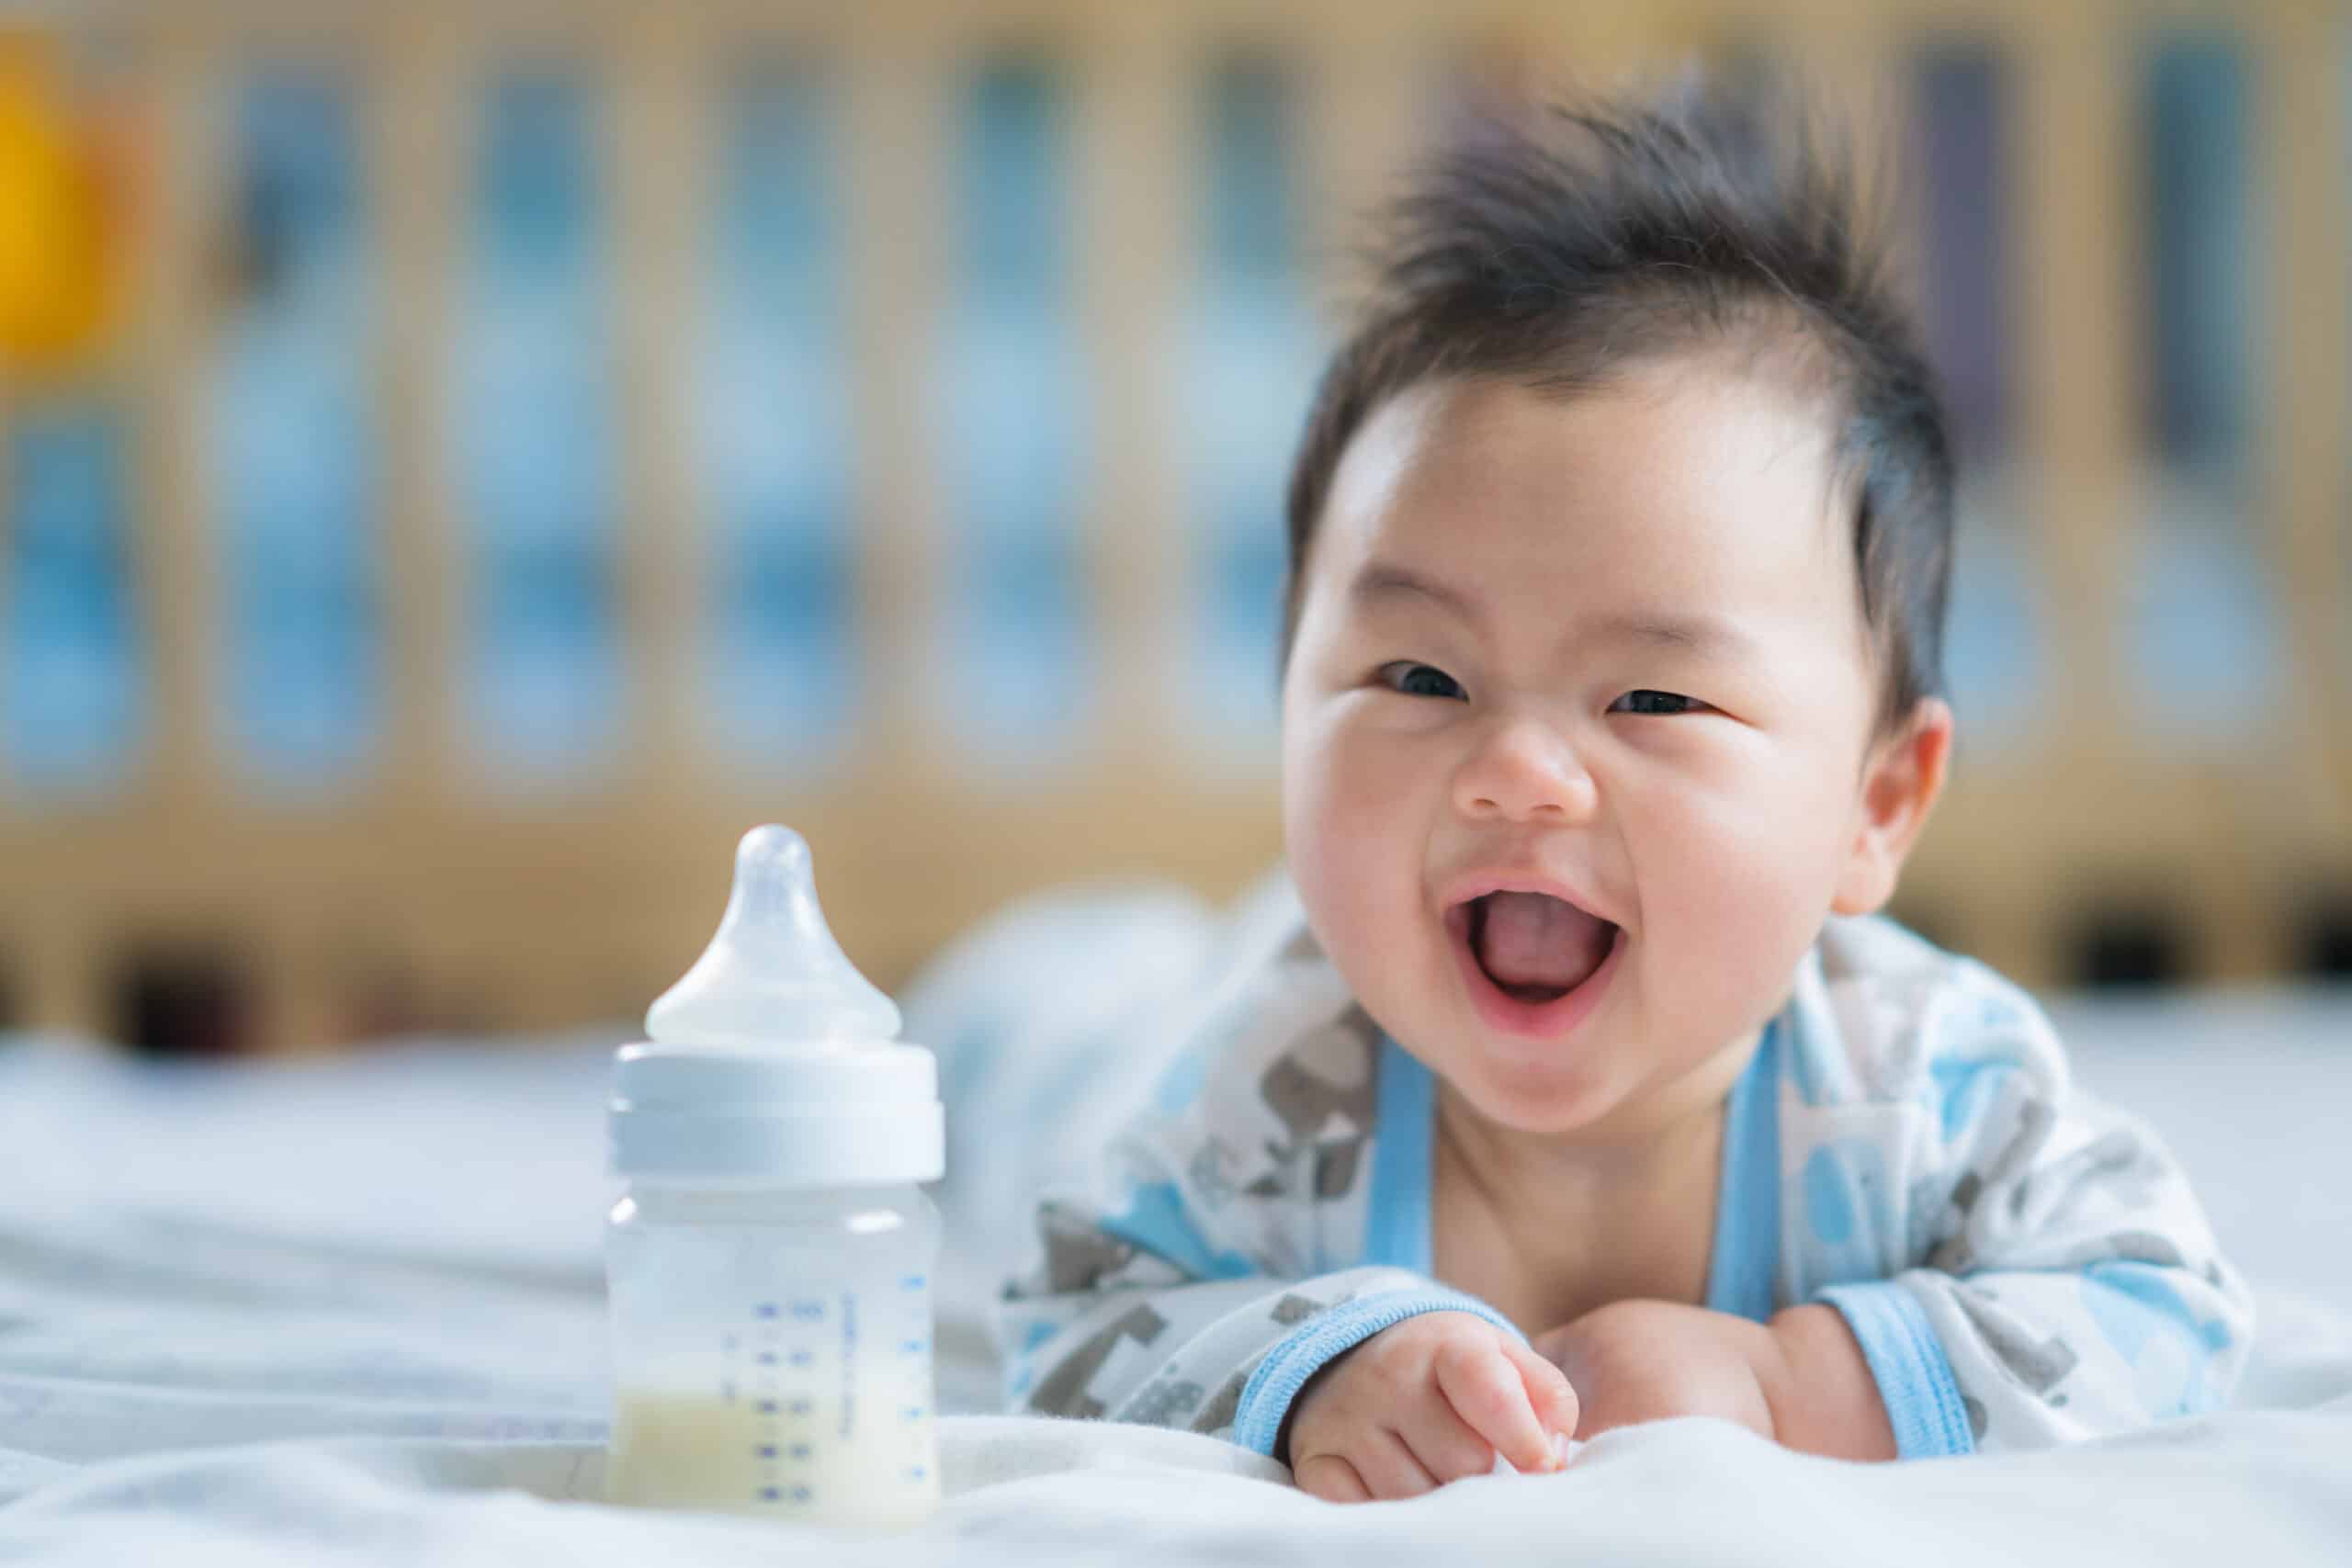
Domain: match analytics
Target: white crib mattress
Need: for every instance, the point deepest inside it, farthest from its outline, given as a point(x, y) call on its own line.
point(351, 1311)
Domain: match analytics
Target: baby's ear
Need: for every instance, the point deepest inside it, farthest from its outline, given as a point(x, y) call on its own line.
point(1903, 774)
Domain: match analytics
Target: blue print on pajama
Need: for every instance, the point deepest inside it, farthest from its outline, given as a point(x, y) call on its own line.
point(1997, 1013)
point(1024, 1372)
point(1803, 1070)
point(1850, 1206)
point(2135, 1306)
point(1180, 1084)
point(1155, 1221)
point(1964, 1086)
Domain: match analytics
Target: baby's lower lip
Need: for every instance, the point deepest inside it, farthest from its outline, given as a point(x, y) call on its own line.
point(1550, 1021)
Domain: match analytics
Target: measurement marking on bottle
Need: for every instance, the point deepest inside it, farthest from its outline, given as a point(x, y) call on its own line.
point(849, 1364)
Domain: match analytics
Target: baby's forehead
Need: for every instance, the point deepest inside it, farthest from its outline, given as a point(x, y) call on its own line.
point(1725, 475)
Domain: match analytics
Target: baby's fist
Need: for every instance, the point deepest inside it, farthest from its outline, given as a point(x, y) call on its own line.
point(1424, 1401)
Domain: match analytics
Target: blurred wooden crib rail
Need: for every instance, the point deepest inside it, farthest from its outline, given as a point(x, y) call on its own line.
point(539, 911)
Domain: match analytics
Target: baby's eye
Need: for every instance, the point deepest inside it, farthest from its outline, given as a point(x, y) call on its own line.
point(1419, 680)
point(1661, 703)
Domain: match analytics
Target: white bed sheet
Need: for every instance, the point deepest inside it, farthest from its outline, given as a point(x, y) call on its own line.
point(2270, 1488)
point(351, 1311)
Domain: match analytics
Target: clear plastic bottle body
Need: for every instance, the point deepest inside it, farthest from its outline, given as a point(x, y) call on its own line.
point(772, 1352)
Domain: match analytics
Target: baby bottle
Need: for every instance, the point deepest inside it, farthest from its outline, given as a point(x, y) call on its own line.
point(770, 1263)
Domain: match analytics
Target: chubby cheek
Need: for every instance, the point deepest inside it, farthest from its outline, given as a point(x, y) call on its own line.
point(1355, 851)
point(1734, 887)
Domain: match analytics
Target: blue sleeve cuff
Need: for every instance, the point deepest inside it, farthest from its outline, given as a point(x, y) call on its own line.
point(1907, 1361)
point(1322, 1340)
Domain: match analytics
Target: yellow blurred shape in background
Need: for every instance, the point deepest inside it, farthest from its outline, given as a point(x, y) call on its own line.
point(58, 266)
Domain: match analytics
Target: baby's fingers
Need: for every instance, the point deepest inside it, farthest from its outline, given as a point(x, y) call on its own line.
point(1548, 1389)
point(1486, 1389)
point(1444, 1443)
point(1331, 1478)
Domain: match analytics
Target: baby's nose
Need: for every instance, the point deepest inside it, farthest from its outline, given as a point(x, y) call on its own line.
point(1525, 771)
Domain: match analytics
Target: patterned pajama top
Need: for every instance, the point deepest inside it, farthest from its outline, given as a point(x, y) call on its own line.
point(2021, 1265)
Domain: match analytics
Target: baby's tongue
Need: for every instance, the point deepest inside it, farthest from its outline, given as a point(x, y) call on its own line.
point(1534, 940)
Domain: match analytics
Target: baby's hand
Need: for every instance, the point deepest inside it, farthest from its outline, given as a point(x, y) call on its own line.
point(1424, 1401)
point(1644, 1361)
point(1801, 1380)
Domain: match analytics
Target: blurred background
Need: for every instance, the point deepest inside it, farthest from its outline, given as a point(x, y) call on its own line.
point(462, 464)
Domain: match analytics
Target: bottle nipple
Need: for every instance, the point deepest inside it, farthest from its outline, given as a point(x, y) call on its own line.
point(773, 976)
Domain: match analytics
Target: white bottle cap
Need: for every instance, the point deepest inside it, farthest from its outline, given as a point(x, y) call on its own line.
point(771, 1063)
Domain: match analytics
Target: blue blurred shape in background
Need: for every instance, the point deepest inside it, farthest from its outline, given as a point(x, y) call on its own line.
point(2199, 616)
point(1994, 652)
point(1251, 358)
point(73, 700)
point(533, 437)
point(1018, 677)
point(783, 680)
point(1961, 91)
point(295, 459)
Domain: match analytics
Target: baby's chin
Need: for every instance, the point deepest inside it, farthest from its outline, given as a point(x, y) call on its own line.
point(1557, 1098)
point(1613, 1095)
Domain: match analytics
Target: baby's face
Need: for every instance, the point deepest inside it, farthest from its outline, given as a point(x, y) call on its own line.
point(1605, 653)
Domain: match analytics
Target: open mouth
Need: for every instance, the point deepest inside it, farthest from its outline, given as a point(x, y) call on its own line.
point(1536, 948)
point(1532, 961)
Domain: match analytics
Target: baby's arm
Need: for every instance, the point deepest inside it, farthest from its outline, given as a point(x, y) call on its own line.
point(2050, 1276)
point(2075, 1291)
point(1141, 1310)
point(1147, 1322)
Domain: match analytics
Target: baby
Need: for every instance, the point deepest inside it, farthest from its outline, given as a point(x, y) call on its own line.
point(1589, 1090)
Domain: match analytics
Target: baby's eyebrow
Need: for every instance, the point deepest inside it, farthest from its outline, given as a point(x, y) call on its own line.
point(1707, 635)
point(1380, 582)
